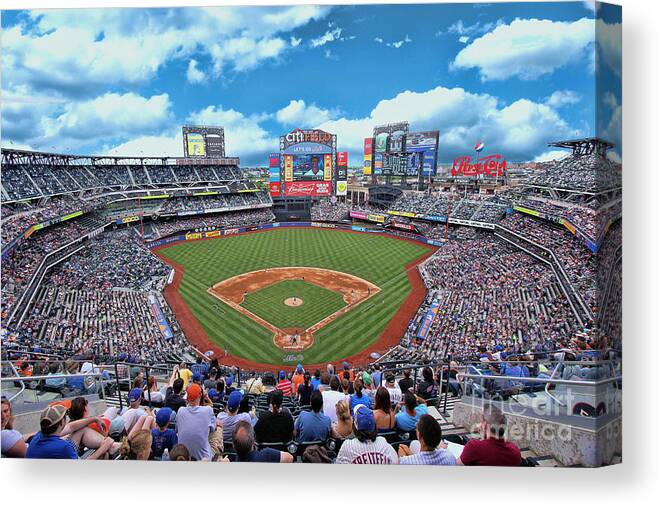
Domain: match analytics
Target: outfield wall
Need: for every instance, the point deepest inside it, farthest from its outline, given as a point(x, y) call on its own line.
point(231, 231)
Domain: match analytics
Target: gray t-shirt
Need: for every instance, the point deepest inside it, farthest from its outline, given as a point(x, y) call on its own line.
point(230, 422)
point(9, 439)
point(193, 427)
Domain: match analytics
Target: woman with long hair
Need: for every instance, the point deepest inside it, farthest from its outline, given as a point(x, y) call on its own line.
point(305, 390)
point(13, 444)
point(137, 446)
point(343, 427)
point(359, 397)
point(384, 415)
point(93, 435)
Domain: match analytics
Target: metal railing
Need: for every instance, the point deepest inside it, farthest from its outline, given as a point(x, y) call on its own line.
point(26, 381)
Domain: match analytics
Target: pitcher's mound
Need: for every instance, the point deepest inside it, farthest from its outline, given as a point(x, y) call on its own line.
point(293, 301)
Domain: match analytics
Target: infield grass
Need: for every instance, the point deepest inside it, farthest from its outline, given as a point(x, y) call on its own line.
point(378, 259)
point(318, 303)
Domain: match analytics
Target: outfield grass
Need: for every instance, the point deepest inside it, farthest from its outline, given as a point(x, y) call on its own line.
point(318, 303)
point(378, 259)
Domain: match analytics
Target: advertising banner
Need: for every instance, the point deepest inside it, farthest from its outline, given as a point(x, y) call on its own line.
point(289, 168)
point(341, 188)
point(328, 167)
point(358, 214)
point(195, 145)
point(528, 211)
point(309, 141)
point(127, 220)
point(376, 218)
point(367, 164)
point(423, 331)
point(402, 213)
point(368, 145)
point(435, 218)
point(381, 142)
point(274, 174)
point(308, 188)
point(274, 188)
point(274, 160)
point(342, 158)
point(491, 166)
point(156, 311)
point(193, 235)
point(406, 227)
point(421, 141)
point(378, 163)
point(429, 162)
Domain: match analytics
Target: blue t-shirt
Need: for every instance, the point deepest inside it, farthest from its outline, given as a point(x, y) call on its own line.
point(50, 447)
point(363, 399)
point(315, 383)
point(405, 422)
point(76, 383)
point(311, 426)
point(162, 440)
point(266, 455)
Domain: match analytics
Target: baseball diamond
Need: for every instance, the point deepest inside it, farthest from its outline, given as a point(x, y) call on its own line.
point(229, 292)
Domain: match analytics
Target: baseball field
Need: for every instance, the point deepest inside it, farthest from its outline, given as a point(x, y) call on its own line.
point(285, 295)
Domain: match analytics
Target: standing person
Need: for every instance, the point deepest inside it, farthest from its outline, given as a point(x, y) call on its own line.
point(366, 448)
point(298, 378)
point(276, 424)
point(429, 441)
point(393, 389)
point(331, 397)
point(427, 389)
point(254, 384)
point(195, 424)
point(407, 382)
point(173, 397)
point(313, 425)
point(492, 449)
point(304, 390)
point(284, 384)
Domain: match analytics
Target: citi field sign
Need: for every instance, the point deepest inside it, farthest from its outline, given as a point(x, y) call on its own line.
point(491, 166)
point(299, 136)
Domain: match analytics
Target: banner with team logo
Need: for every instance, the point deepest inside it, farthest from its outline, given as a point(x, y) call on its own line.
point(341, 188)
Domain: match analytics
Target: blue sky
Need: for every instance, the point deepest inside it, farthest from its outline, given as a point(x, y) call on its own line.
point(123, 81)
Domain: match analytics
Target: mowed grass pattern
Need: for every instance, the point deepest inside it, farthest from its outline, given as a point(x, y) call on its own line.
point(318, 303)
point(378, 259)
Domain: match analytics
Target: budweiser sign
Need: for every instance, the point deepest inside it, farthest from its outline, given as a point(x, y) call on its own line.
point(491, 165)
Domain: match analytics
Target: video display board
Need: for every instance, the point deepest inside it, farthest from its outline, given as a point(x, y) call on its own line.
point(203, 142)
point(308, 156)
point(425, 145)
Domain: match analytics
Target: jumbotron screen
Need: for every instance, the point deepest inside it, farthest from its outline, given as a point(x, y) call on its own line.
point(307, 158)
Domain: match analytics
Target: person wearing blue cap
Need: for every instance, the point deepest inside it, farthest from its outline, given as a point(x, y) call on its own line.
point(284, 384)
point(134, 411)
point(230, 417)
point(162, 437)
point(367, 448)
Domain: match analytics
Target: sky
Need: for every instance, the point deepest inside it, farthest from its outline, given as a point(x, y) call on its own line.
point(123, 81)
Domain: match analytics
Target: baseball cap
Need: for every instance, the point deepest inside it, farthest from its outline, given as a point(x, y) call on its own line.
point(345, 365)
point(213, 394)
point(163, 416)
point(197, 377)
point(282, 374)
point(116, 426)
point(194, 392)
point(234, 400)
point(367, 379)
point(299, 368)
point(135, 394)
point(364, 418)
point(52, 415)
point(390, 377)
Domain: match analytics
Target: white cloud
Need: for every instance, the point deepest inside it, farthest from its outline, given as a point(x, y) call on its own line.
point(76, 51)
point(297, 113)
point(324, 39)
point(547, 156)
point(294, 41)
point(609, 42)
point(378, 39)
point(520, 130)
point(74, 126)
point(193, 74)
point(562, 98)
point(527, 48)
point(463, 39)
point(609, 100)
